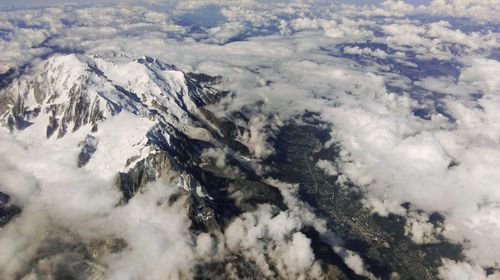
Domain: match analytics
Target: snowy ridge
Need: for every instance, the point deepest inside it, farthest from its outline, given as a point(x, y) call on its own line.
point(132, 108)
point(70, 91)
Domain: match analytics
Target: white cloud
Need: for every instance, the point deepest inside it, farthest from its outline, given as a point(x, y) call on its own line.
point(328, 167)
point(446, 85)
point(409, 161)
point(481, 10)
point(222, 34)
point(298, 256)
point(292, 258)
point(78, 203)
point(482, 74)
point(388, 8)
point(461, 271)
point(420, 229)
point(378, 53)
point(260, 132)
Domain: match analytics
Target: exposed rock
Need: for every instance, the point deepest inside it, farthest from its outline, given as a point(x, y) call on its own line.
point(249, 194)
point(146, 170)
point(4, 198)
point(104, 247)
point(53, 123)
point(202, 216)
point(7, 211)
point(226, 131)
point(62, 256)
point(89, 146)
point(7, 77)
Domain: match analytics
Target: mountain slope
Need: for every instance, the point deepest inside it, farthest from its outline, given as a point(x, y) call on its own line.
point(131, 123)
point(135, 118)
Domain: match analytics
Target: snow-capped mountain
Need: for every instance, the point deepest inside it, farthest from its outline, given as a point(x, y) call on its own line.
point(139, 132)
point(72, 91)
point(138, 126)
point(132, 117)
point(133, 128)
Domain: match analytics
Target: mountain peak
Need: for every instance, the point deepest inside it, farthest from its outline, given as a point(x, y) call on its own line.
point(69, 91)
point(156, 64)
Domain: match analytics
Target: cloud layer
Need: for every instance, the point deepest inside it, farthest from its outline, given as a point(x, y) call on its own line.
point(412, 101)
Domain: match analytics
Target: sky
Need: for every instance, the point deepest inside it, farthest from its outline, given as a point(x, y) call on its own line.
point(31, 3)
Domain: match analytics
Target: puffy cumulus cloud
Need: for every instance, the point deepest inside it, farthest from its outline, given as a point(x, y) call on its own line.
point(388, 8)
point(481, 10)
point(478, 10)
point(421, 230)
point(328, 167)
point(378, 129)
point(436, 40)
point(76, 203)
point(483, 74)
point(346, 27)
point(447, 166)
point(299, 256)
point(225, 32)
point(405, 33)
point(264, 235)
point(220, 159)
point(307, 217)
point(218, 155)
point(149, 236)
point(378, 53)
point(398, 7)
point(196, 4)
point(445, 85)
point(22, 46)
point(32, 33)
point(258, 137)
point(241, 14)
point(461, 270)
point(272, 239)
point(157, 235)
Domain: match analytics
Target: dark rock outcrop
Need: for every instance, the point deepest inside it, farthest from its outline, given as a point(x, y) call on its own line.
point(7, 210)
point(89, 146)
